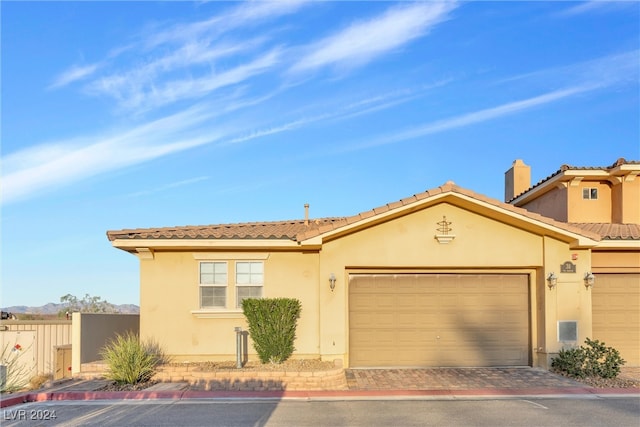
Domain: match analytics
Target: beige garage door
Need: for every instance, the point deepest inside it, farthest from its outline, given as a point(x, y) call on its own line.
point(616, 314)
point(438, 320)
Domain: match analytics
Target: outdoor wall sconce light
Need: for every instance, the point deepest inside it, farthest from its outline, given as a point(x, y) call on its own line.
point(589, 280)
point(552, 280)
point(332, 281)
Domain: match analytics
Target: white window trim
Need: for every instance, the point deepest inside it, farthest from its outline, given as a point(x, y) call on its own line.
point(213, 285)
point(590, 190)
point(252, 285)
point(217, 314)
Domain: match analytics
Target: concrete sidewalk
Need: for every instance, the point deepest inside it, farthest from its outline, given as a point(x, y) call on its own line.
point(364, 384)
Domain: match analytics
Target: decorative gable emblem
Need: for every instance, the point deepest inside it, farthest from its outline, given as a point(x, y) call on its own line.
point(444, 230)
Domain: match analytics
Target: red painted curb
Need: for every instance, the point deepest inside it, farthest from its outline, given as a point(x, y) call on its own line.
point(13, 400)
point(185, 395)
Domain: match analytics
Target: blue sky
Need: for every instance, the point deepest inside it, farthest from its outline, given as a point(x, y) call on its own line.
point(148, 114)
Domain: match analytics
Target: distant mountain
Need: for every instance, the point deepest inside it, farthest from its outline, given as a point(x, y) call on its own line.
point(53, 308)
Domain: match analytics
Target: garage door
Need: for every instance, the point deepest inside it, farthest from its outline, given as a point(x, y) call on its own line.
point(438, 320)
point(616, 314)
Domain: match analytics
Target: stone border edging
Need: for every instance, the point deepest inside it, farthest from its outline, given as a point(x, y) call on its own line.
point(230, 380)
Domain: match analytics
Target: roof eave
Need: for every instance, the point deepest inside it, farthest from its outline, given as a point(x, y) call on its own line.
point(559, 177)
point(626, 169)
point(575, 239)
point(371, 220)
point(618, 244)
point(131, 245)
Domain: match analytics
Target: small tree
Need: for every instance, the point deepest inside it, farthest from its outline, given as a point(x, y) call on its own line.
point(87, 304)
point(272, 326)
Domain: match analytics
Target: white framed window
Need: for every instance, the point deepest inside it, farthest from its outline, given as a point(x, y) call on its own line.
point(590, 193)
point(213, 284)
point(249, 280)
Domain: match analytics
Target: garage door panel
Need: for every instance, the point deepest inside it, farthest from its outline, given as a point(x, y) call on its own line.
point(616, 313)
point(439, 320)
point(374, 339)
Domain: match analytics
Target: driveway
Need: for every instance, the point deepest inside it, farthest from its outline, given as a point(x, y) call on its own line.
point(456, 379)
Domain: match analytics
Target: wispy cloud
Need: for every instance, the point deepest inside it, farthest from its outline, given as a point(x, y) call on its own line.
point(363, 41)
point(140, 91)
point(169, 63)
point(48, 166)
point(596, 6)
point(608, 70)
point(474, 117)
point(169, 186)
point(348, 111)
point(246, 14)
point(73, 74)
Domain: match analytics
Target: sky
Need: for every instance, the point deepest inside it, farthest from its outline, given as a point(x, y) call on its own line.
point(146, 114)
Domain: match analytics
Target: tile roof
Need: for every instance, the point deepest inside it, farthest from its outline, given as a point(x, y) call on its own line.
point(250, 230)
point(621, 161)
point(448, 187)
point(612, 231)
point(297, 230)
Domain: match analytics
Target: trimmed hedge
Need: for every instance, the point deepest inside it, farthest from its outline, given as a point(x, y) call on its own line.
point(272, 326)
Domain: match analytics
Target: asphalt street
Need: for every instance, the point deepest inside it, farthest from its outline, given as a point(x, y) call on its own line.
point(587, 411)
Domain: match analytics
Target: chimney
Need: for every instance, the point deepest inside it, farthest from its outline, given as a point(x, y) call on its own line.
point(306, 214)
point(516, 180)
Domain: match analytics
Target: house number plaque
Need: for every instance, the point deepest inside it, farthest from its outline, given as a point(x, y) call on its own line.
point(567, 267)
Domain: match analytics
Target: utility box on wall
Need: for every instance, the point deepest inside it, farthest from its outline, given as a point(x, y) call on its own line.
point(62, 362)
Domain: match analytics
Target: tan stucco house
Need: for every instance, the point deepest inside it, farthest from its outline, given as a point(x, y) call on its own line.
point(447, 277)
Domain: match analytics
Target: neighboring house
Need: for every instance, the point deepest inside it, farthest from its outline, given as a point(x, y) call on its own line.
point(447, 277)
point(606, 201)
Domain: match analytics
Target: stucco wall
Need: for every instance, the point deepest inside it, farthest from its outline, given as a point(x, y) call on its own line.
point(408, 243)
point(170, 292)
point(552, 204)
point(615, 261)
point(569, 300)
point(626, 203)
point(585, 210)
point(170, 312)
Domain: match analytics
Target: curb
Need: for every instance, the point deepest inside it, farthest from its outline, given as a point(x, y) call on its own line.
point(321, 395)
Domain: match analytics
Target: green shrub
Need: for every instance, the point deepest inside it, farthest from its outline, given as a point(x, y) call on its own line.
point(130, 360)
point(594, 359)
point(570, 362)
point(272, 326)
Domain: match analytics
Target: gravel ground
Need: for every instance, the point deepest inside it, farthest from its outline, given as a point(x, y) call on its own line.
point(629, 377)
point(289, 365)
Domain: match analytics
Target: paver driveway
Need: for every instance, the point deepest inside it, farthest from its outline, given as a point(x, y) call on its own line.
point(455, 379)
